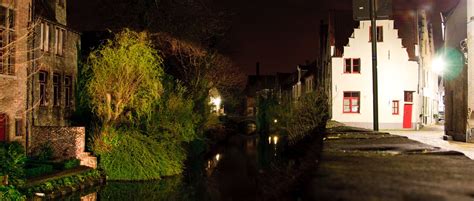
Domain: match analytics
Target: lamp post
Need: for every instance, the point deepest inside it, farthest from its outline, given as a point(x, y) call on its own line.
point(373, 16)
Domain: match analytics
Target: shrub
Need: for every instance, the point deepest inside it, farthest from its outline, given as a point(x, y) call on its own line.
point(13, 160)
point(45, 152)
point(138, 157)
point(308, 115)
point(10, 193)
point(71, 163)
point(38, 170)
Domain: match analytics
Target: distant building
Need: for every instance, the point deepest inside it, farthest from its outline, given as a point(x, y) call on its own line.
point(459, 73)
point(257, 84)
point(408, 88)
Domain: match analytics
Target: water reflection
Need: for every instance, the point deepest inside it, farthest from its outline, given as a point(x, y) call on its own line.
point(229, 172)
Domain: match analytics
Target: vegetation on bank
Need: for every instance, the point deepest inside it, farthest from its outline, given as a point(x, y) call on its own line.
point(298, 119)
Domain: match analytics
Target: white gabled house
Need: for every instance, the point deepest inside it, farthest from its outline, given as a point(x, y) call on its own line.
point(400, 102)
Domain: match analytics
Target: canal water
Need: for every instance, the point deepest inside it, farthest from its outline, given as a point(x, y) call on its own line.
point(229, 172)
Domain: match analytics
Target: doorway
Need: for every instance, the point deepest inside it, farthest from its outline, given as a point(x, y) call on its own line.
point(407, 115)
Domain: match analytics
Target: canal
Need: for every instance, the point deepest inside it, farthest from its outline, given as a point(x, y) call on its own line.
point(232, 170)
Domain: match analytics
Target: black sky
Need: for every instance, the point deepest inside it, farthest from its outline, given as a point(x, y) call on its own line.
point(278, 33)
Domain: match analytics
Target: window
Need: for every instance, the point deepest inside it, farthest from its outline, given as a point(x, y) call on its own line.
point(59, 41)
point(408, 96)
point(56, 89)
point(18, 127)
point(351, 102)
point(395, 107)
point(379, 34)
point(44, 41)
point(7, 36)
point(68, 90)
point(43, 80)
point(352, 65)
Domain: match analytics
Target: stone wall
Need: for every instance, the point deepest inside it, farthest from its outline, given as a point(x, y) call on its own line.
point(66, 142)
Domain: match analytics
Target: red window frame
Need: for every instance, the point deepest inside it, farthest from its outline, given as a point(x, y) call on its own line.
point(395, 107)
point(351, 100)
point(350, 65)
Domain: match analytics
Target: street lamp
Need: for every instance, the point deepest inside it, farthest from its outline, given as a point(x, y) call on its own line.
point(438, 65)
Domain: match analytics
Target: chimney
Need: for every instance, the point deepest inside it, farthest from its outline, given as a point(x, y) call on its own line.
point(258, 69)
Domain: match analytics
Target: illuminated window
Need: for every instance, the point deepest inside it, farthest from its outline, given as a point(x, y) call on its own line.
point(56, 89)
point(408, 96)
point(395, 107)
point(43, 80)
point(351, 102)
point(379, 34)
point(45, 37)
point(352, 65)
point(59, 41)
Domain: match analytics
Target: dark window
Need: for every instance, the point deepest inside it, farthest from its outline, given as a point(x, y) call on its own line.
point(379, 34)
point(7, 36)
point(18, 127)
point(43, 80)
point(408, 97)
point(352, 65)
point(68, 90)
point(56, 89)
point(62, 3)
point(351, 102)
point(395, 107)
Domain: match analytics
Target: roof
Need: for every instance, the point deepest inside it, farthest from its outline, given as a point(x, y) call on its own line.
point(258, 82)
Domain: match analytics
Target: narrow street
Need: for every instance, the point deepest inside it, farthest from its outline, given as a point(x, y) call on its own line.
point(380, 166)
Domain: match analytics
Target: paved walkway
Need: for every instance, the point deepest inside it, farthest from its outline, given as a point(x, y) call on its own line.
point(433, 135)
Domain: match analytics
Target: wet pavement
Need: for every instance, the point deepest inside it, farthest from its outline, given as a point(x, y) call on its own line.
point(433, 135)
point(380, 166)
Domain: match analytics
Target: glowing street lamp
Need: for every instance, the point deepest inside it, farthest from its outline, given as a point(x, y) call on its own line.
point(438, 65)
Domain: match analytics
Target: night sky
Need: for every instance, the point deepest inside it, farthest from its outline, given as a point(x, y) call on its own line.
point(280, 34)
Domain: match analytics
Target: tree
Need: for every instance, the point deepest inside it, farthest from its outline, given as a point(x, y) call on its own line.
point(125, 78)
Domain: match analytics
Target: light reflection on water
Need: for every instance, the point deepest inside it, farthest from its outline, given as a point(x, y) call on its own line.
point(227, 173)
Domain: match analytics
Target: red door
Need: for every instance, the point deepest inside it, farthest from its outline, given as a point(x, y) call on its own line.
point(3, 127)
point(407, 110)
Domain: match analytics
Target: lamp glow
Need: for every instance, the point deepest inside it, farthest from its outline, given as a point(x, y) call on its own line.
point(438, 65)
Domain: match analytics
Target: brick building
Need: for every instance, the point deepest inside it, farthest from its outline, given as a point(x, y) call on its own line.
point(38, 70)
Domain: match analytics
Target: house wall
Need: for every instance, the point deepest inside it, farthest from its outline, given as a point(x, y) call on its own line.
point(396, 74)
point(456, 84)
point(13, 87)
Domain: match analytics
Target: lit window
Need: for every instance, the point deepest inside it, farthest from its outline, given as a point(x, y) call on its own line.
point(43, 80)
point(59, 41)
point(352, 65)
point(351, 102)
point(395, 107)
point(7, 36)
point(45, 37)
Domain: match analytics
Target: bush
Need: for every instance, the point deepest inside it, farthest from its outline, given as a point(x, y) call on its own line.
point(138, 157)
point(12, 157)
point(45, 152)
point(10, 193)
point(71, 163)
point(308, 115)
point(38, 170)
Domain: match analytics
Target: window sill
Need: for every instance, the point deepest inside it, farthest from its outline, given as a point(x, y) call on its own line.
point(13, 77)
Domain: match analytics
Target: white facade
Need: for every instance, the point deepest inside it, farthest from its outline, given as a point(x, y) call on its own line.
point(396, 75)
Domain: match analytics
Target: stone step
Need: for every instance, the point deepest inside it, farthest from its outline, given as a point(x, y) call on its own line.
point(89, 161)
point(84, 155)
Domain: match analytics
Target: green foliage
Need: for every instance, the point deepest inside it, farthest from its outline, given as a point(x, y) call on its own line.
point(45, 152)
point(174, 120)
point(308, 116)
point(13, 158)
point(38, 169)
point(63, 182)
point(125, 78)
point(267, 104)
point(139, 157)
point(71, 163)
point(10, 193)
